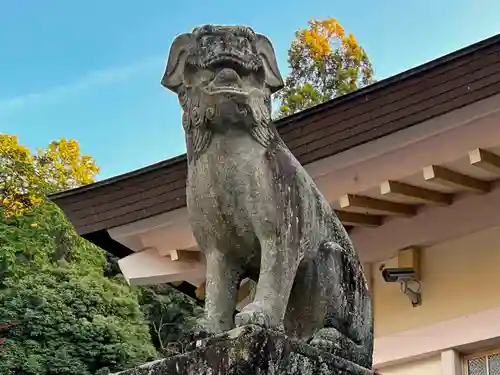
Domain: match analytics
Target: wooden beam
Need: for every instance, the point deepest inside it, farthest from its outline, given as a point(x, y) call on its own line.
point(200, 292)
point(359, 220)
point(246, 293)
point(410, 258)
point(447, 177)
point(245, 289)
point(243, 292)
point(368, 205)
point(485, 160)
point(396, 189)
point(185, 255)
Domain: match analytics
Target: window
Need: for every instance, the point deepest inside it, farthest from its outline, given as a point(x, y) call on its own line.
point(483, 364)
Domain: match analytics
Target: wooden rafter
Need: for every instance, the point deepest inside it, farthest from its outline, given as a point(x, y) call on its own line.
point(354, 219)
point(396, 189)
point(485, 160)
point(368, 205)
point(245, 290)
point(447, 177)
point(184, 255)
point(200, 292)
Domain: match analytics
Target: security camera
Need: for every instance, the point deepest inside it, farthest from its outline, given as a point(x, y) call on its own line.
point(394, 275)
point(406, 277)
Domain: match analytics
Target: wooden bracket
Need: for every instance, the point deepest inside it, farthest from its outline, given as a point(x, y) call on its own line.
point(354, 219)
point(447, 177)
point(368, 205)
point(396, 189)
point(485, 160)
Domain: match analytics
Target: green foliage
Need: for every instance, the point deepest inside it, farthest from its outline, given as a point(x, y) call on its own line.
point(71, 306)
point(72, 312)
point(69, 320)
point(43, 236)
point(171, 317)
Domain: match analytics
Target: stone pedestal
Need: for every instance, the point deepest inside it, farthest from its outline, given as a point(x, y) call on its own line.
point(254, 351)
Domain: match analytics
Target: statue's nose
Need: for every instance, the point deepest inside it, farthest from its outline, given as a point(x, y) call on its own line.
point(227, 75)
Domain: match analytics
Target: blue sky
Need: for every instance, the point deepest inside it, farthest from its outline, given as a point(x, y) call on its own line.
point(90, 70)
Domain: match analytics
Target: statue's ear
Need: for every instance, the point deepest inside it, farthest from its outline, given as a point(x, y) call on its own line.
point(266, 51)
point(179, 51)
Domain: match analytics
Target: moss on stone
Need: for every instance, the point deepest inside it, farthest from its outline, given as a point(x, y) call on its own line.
point(251, 350)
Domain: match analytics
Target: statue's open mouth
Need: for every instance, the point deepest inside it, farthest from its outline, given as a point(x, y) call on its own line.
point(237, 60)
point(227, 80)
point(233, 90)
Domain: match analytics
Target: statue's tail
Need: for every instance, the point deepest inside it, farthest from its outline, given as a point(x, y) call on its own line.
point(351, 311)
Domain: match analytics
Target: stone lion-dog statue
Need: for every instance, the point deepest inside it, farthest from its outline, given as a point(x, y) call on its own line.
point(254, 210)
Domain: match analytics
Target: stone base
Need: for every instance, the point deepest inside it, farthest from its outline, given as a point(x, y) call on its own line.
point(251, 350)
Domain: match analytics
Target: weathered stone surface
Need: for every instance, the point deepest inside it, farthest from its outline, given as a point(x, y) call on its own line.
point(254, 210)
point(251, 350)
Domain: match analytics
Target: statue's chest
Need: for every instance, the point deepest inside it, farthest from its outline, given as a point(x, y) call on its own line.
point(230, 178)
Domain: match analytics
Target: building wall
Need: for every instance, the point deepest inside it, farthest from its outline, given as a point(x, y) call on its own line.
point(427, 366)
point(460, 280)
point(459, 277)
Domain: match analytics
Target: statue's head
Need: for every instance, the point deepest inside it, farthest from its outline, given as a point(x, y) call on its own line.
point(223, 75)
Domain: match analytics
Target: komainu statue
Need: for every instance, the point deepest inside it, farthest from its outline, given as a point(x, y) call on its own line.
point(254, 210)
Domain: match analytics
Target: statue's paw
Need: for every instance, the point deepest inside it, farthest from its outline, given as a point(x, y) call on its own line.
point(327, 339)
point(255, 313)
point(325, 345)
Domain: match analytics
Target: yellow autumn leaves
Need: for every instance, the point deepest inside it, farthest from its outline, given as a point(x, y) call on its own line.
point(320, 34)
point(325, 62)
point(26, 177)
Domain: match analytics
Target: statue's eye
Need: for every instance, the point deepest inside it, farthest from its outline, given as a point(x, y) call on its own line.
point(194, 75)
point(205, 41)
point(255, 78)
point(205, 75)
point(245, 44)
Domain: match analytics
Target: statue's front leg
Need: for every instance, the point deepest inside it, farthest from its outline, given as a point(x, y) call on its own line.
point(278, 268)
point(223, 277)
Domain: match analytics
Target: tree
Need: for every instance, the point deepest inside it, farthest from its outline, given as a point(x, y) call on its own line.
point(33, 231)
point(325, 63)
point(71, 321)
point(64, 305)
point(61, 314)
point(26, 178)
